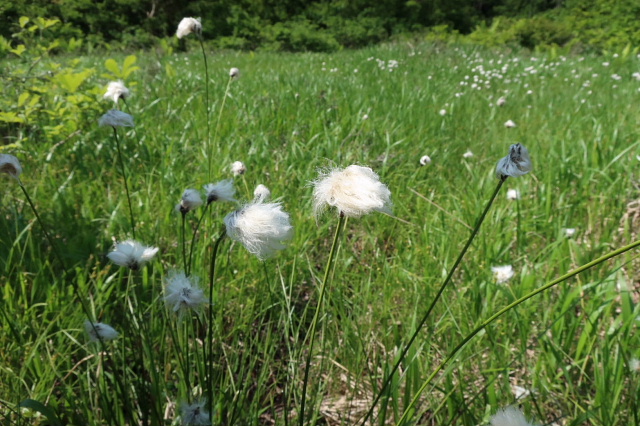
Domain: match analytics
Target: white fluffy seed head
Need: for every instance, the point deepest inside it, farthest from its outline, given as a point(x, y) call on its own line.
point(234, 73)
point(502, 274)
point(517, 163)
point(220, 191)
point(501, 101)
point(195, 414)
point(443, 112)
point(261, 227)
point(131, 254)
point(509, 416)
point(115, 118)
point(182, 293)
point(99, 331)
point(467, 154)
point(509, 124)
point(261, 194)
point(238, 168)
point(188, 26)
point(191, 199)
point(116, 91)
point(10, 165)
point(513, 194)
point(353, 191)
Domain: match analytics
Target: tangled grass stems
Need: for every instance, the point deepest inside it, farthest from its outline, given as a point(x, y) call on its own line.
point(217, 129)
point(410, 409)
point(212, 272)
point(126, 185)
point(425, 317)
point(312, 331)
point(80, 296)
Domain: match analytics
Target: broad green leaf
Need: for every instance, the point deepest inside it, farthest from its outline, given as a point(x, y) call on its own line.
point(23, 98)
point(19, 50)
point(42, 409)
point(71, 81)
point(10, 117)
point(112, 66)
point(129, 61)
point(23, 21)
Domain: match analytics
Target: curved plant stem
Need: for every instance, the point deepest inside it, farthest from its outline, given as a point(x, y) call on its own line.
point(312, 331)
point(126, 185)
point(206, 99)
point(210, 327)
point(434, 301)
point(507, 308)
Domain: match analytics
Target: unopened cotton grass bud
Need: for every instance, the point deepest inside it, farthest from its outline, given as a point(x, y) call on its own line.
point(188, 26)
point(238, 168)
point(99, 331)
point(517, 163)
point(10, 165)
point(262, 228)
point(131, 254)
point(353, 191)
point(220, 191)
point(425, 160)
point(261, 194)
point(115, 118)
point(116, 91)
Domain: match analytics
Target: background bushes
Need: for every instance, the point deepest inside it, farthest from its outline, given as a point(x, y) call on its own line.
point(326, 25)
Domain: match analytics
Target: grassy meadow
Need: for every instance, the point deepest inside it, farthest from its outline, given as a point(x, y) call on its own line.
point(568, 356)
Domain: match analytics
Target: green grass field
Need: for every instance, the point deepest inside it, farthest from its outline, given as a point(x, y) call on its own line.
point(567, 356)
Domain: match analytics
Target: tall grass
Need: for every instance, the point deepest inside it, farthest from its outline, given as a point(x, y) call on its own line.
point(567, 353)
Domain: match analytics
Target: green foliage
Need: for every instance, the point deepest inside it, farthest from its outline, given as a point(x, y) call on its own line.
point(49, 98)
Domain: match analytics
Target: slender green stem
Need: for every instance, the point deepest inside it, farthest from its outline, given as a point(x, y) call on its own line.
point(212, 273)
point(312, 331)
point(507, 308)
point(184, 243)
point(126, 185)
point(217, 130)
point(206, 99)
point(193, 240)
point(434, 301)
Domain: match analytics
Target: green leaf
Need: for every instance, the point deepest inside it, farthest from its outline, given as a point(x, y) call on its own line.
point(42, 409)
point(23, 21)
point(71, 81)
point(23, 98)
point(112, 66)
point(129, 61)
point(10, 117)
point(19, 50)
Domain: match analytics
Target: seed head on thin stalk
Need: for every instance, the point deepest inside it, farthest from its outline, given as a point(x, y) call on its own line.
point(195, 414)
point(99, 330)
point(188, 26)
point(131, 254)
point(191, 199)
point(261, 194)
point(509, 416)
point(116, 90)
point(220, 191)
point(353, 191)
point(516, 163)
point(262, 228)
point(10, 166)
point(238, 168)
point(234, 73)
point(182, 294)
